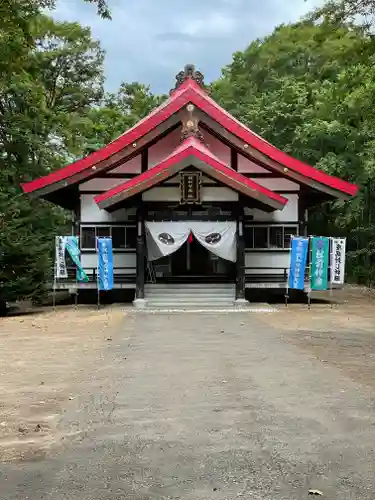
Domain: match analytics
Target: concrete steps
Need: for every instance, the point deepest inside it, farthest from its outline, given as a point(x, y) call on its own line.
point(190, 295)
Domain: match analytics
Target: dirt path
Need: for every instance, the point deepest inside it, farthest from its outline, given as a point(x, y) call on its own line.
point(44, 357)
point(205, 406)
point(342, 335)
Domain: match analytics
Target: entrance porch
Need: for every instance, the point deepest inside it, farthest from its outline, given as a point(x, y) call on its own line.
point(215, 257)
point(193, 263)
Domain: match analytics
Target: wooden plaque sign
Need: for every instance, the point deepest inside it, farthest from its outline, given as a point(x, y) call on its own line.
point(190, 183)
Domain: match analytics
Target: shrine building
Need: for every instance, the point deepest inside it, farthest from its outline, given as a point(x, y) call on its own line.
point(193, 200)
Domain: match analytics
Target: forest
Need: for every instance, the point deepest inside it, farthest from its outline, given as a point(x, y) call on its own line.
point(308, 87)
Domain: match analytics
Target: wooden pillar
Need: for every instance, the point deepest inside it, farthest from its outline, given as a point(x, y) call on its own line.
point(234, 159)
point(240, 264)
point(140, 255)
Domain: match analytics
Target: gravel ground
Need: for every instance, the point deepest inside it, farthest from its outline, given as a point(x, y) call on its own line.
point(137, 406)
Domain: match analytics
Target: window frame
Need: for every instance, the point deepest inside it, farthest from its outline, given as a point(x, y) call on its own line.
point(248, 226)
point(110, 226)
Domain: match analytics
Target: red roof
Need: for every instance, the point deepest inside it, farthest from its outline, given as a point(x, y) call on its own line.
point(190, 91)
point(191, 152)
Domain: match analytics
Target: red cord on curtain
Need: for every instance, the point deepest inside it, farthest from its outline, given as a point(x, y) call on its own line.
point(190, 238)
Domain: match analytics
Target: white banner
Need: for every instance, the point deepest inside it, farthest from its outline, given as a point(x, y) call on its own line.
point(165, 238)
point(338, 249)
point(60, 262)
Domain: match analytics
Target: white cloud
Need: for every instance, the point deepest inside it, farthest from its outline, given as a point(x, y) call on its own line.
point(150, 41)
point(217, 25)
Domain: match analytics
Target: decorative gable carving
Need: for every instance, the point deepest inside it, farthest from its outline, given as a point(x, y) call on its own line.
point(189, 72)
point(190, 124)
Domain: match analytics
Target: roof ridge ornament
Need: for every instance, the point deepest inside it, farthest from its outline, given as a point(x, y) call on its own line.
point(189, 72)
point(190, 124)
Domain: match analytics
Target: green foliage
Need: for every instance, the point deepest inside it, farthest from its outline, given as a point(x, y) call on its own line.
point(119, 112)
point(52, 110)
point(47, 86)
point(309, 89)
point(102, 7)
point(338, 11)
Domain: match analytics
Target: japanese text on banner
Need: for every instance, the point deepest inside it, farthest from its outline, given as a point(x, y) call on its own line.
point(338, 250)
point(105, 264)
point(72, 247)
point(60, 262)
point(319, 263)
point(298, 259)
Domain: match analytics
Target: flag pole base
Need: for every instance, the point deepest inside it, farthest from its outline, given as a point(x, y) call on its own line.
point(240, 303)
point(140, 303)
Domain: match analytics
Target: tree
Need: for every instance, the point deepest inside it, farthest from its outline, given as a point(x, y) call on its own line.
point(309, 89)
point(45, 95)
point(102, 6)
point(118, 112)
point(338, 11)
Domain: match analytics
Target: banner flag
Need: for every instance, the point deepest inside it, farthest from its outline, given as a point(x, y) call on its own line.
point(319, 263)
point(105, 264)
point(74, 252)
point(298, 259)
point(338, 250)
point(60, 262)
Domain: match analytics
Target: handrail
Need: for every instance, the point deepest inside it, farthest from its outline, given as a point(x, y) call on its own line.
point(91, 272)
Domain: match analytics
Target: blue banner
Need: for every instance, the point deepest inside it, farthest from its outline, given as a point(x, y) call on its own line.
point(105, 264)
point(298, 260)
point(72, 248)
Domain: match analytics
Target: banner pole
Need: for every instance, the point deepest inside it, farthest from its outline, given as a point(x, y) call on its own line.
point(76, 294)
point(288, 274)
point(309, 286)
point(55, 275)
point(54, 287)
point(97, 274)
point(330, 270)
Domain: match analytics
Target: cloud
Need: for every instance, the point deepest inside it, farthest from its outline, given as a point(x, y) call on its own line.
point(150, 41)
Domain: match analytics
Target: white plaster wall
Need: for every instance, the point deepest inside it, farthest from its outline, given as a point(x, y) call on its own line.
point(277, 184)
point(212, 193)
point(132, 166)
point(266, 259)
point(162, 194)
point(220, 150)
point(90, 212)
point(126, 259)
point(163, 148)
point(208, 193)
point(204, 179)
point(288, 214)
point(100, 184)
point(246, 166)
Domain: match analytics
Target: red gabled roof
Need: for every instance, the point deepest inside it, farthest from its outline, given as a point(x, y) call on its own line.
point(190, 152)
point(190, 91)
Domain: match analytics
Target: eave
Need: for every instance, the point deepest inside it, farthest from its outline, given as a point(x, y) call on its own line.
point(191, 153)
point(188, 92)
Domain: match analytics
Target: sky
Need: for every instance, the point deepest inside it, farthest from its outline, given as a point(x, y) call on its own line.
point(150, 41)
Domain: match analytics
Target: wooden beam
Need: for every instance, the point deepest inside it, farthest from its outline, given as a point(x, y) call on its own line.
point(234, 159)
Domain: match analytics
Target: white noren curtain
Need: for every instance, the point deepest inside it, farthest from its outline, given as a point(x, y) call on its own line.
point(165, 238)
point(218, 237)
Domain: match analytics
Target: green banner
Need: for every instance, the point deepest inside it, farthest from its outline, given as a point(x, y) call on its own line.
point(74, 252)
point(319, 263)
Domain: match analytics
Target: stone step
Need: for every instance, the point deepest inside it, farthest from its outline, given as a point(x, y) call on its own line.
point(227, 293)
point(186, 286)
point(185, 298)
point(188, 305)
point(189, 295)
